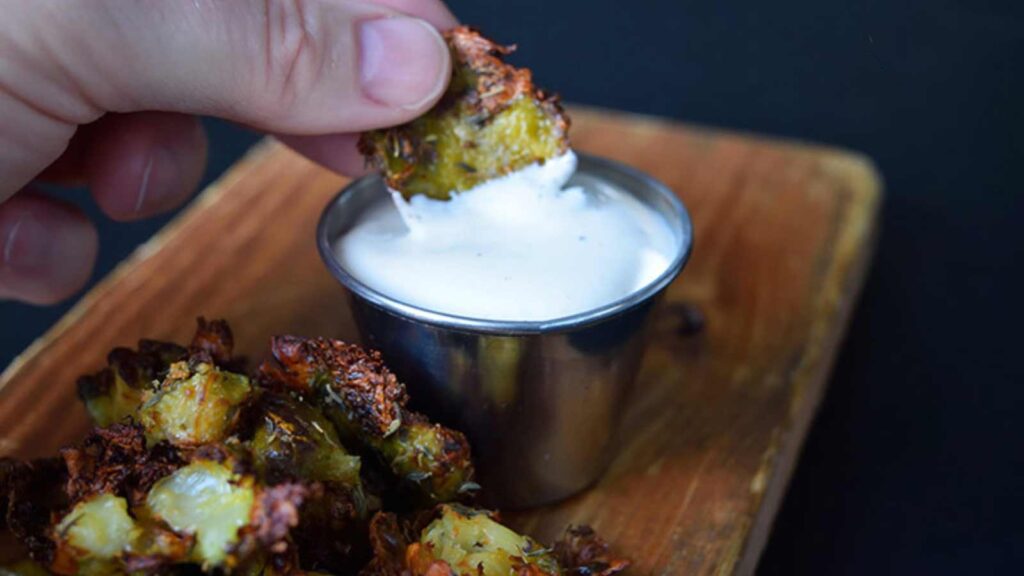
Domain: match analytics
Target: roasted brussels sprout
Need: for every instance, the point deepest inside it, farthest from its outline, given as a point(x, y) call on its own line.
point(294, 440)
point(94, 536)
point(471, 542)
point(208, 501)
point(201, 471)
point(117, 391)
point(194, 405)
point(203, 513)
point(460, 541)
point(108, 475)
point(366, 403)
point(491, 121)
point(114, 505)
point(432, 458)
point(116, 460)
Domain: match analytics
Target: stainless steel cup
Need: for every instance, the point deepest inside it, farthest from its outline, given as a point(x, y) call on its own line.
point(539, 401)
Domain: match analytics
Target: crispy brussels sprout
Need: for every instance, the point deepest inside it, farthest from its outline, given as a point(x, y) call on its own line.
point(230, 516)
point(295, 440)
point(94, 535)
point(108, 476)
point(203, 513)
point(117, 391)
point(353, 380)
point(366, 403)
point(200, 472)
point(194, 405)
point(429, 456)
point(208, 500)
point(491, 121)
point(116, 460)
point(115, 505)
point(460, 541)
point(470, 542)
point(455, 541)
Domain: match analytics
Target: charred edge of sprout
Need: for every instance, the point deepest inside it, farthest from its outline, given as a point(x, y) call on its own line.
point(117, 460)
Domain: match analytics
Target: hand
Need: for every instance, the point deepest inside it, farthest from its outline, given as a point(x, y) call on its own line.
point(103, 92)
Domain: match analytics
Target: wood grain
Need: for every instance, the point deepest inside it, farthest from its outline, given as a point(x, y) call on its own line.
point(783, 232)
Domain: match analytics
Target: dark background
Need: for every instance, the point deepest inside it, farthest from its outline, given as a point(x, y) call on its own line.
point(916, 461)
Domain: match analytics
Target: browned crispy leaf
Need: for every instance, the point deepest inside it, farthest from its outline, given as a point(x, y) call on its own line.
point(372, 396)
point(115, 460)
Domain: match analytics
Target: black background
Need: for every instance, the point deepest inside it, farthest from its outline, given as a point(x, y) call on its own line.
point(915, 463)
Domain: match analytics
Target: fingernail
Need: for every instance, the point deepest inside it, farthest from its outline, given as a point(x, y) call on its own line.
point(26, 245)
point(403, 61)
point(47, 249)
point(160, 186)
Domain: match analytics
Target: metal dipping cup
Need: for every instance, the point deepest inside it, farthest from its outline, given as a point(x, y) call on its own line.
point(539, 401)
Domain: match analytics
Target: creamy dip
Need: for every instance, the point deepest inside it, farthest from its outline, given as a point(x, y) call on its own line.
point(519, 247)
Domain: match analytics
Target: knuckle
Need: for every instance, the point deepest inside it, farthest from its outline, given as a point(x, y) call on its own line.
point(293, 52)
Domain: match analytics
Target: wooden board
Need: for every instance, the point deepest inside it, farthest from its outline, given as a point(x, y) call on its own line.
point(783, 234)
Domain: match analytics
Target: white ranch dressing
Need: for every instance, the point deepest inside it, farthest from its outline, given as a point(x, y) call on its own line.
point(519, 247)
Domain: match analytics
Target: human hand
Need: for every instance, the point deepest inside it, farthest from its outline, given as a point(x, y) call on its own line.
point(104, 93)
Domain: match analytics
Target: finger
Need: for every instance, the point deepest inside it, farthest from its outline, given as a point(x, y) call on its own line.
point(295, 66)
point(338, 151)
point(146, 163)
point(70, 168)
point(335, 151)
point(47, 249)
point(292, 66)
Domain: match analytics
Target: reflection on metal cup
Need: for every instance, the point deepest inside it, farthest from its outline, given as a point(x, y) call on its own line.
point(541, 400)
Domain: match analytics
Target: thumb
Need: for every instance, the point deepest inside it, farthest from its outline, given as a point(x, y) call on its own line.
point(284, 66)
point(294, 66)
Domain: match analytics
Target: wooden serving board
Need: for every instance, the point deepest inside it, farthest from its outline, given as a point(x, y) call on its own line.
point(783, 236)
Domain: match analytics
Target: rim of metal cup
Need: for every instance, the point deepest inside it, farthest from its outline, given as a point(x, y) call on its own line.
point(593, 165)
